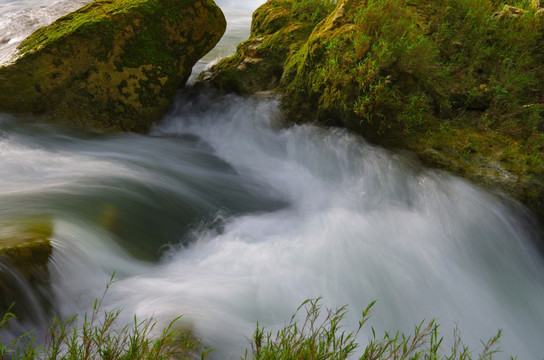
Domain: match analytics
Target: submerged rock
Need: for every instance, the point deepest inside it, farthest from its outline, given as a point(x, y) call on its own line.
point(113, 65)
point(25, 249)
point(27, 246)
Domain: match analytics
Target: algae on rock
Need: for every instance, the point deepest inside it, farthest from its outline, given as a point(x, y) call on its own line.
point(26, 244)
point(111, 65)
point(25, 250)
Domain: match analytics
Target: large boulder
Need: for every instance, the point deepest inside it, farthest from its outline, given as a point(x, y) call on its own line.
point(113, 65)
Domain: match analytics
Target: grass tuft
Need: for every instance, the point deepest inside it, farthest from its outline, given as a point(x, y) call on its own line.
point(322, 336)
point(98, 336)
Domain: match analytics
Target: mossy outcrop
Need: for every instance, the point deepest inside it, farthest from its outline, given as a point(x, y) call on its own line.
point(26, 244)
point(446, 79)
point(25, 249)
point(113, 65)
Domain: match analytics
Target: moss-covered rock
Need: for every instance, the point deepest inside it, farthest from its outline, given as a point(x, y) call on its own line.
point(434, 77)
point(443, 78)
point(26, 244)
point(112, 65)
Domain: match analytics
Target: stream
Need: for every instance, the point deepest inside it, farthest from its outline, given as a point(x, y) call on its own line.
point(223, 216)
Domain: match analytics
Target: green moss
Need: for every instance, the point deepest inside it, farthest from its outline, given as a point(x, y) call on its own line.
point(312, 11)
point(271, 17)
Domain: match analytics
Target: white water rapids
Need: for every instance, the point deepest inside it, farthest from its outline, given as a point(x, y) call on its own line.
point(224, 217)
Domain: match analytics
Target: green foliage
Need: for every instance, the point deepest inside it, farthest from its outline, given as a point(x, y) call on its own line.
point(312, 10)
point(494, 63)
point(321, 336)
point(315, 339)
point(398, 71)
point(99, 337)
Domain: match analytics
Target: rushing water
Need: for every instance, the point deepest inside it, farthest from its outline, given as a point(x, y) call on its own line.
point(223, 216)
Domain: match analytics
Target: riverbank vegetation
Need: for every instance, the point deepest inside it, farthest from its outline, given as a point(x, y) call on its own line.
point(320, 334)
point(98, 336)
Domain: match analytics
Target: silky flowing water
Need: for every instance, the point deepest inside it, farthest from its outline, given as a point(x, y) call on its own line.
point(223, 216)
